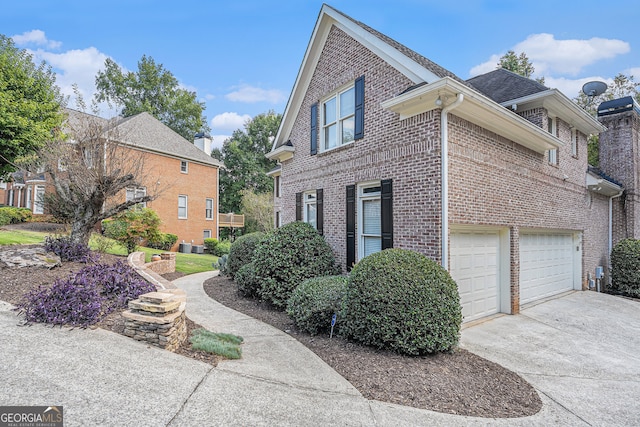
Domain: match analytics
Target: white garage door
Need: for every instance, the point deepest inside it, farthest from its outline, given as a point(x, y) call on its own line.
point(546, 265)
point(474, 267)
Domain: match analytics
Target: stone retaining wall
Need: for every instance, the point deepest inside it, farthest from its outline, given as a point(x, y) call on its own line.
point(157, 318)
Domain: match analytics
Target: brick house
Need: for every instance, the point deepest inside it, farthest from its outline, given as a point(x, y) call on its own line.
point(184, 177)
point(380, 147)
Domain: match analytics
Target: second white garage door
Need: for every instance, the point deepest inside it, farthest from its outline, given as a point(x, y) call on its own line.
point(474, 267)
point(546, 265)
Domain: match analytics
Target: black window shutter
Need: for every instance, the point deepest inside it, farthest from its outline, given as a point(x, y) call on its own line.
point(351, 226)
point(359, 110)
point(314, 129)
point(319, 212)
point(386, 214)
point(298, 206)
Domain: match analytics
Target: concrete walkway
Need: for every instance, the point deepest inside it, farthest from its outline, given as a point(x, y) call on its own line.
point(102, 378)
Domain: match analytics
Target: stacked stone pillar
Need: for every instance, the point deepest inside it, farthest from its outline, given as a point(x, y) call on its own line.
point(158, 318)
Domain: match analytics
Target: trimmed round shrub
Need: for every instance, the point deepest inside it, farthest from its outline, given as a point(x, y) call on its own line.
point(241, 252)
point(402, 301)
point(288, 256)
point(247, 281)
point(315, 301)
point(625, 267)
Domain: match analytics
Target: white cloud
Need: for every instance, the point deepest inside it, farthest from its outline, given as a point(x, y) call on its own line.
point(252, 94)
point(218, 140)
point(635, 72)
point(77, 66)
point(564, 57)
point(229, 121)
point(35, 37)
point(572, 87)
point(209, 97)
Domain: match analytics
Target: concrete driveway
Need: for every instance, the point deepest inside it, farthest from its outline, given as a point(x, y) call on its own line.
point(581, 351)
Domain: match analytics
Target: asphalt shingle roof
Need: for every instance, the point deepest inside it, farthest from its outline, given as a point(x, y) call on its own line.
point(146, 132)
point(503, 85)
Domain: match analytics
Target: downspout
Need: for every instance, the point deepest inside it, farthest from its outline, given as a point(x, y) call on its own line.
point(611, 233)
point(444, 151)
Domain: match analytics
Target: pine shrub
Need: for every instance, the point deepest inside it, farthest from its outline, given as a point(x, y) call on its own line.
point(402, 301)
point(315, 301)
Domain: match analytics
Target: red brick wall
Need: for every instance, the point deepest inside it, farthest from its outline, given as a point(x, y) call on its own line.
point(493, 181)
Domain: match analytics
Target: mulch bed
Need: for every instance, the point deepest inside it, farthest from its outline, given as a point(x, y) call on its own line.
point(459, 382)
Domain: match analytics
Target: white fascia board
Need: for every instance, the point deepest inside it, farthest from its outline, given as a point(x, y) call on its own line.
point(602, 186)
point(282, 153)
point(559, 105)
point(475, 108)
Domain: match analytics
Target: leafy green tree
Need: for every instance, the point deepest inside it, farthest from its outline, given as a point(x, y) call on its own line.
point(30, 105)
point(518, 64)
point(245, 163)
point(257, 210)
point(155, 90)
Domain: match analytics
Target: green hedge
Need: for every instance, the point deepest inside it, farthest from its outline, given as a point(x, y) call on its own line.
point(625, 268)
point(288, 256)
point(403, 301)
point(315, 301)
point(162, 241)
point(12, 215)
point(217, 247)
point(247, 281)
point(242, 251)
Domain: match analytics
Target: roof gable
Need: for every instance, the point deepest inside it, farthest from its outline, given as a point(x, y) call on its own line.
point(145, 132)
point(503, 85)
point(414, 66)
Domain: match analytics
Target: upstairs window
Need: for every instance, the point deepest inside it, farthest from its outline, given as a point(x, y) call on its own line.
point(208, 211)
point(551, 128)
point(182, 207)
point(136, 192)
point(184, 166)
point(574, 143)
point(338, 119)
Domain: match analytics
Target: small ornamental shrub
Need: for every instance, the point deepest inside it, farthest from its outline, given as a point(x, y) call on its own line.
point(119, 283)
point(242, 251)
point(67, 250)
point(315, 301)
point(289, 255)
point(217, 247)
point(162, 241)
point(11, 215)
point(403, 301)
point(625, 268)
point(221, 264)
point(86, 297)
point(65, 303)
point(133, 227)
point(246, 280)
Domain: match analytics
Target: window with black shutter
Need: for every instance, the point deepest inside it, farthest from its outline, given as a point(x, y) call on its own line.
point(351, 226)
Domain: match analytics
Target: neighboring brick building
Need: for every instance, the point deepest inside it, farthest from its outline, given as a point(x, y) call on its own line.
point(379, 147)
point(183, 176)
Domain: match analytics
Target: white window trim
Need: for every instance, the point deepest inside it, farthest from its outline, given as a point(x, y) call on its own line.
point(135, 191)
point(339, 120)
point(38, 206)
point(574, 142)
point(553, 130)
point(208, 218)
point(186, 166)
point(306, 201)
point(362, 197)
point(204, 234)
point(186, 206)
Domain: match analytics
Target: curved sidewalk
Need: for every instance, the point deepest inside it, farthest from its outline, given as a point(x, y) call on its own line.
point(103, 378)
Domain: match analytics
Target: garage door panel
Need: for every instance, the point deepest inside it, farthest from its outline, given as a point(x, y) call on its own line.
point(474, 267)
point(546, 265)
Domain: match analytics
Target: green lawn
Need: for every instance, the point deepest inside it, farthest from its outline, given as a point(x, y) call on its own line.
point(20, 237)
point(185, 263)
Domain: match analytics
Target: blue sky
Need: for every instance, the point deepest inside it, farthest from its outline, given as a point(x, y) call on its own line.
point(242, 57)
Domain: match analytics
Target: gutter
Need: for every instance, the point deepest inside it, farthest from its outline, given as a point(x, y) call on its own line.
point(444, 152)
